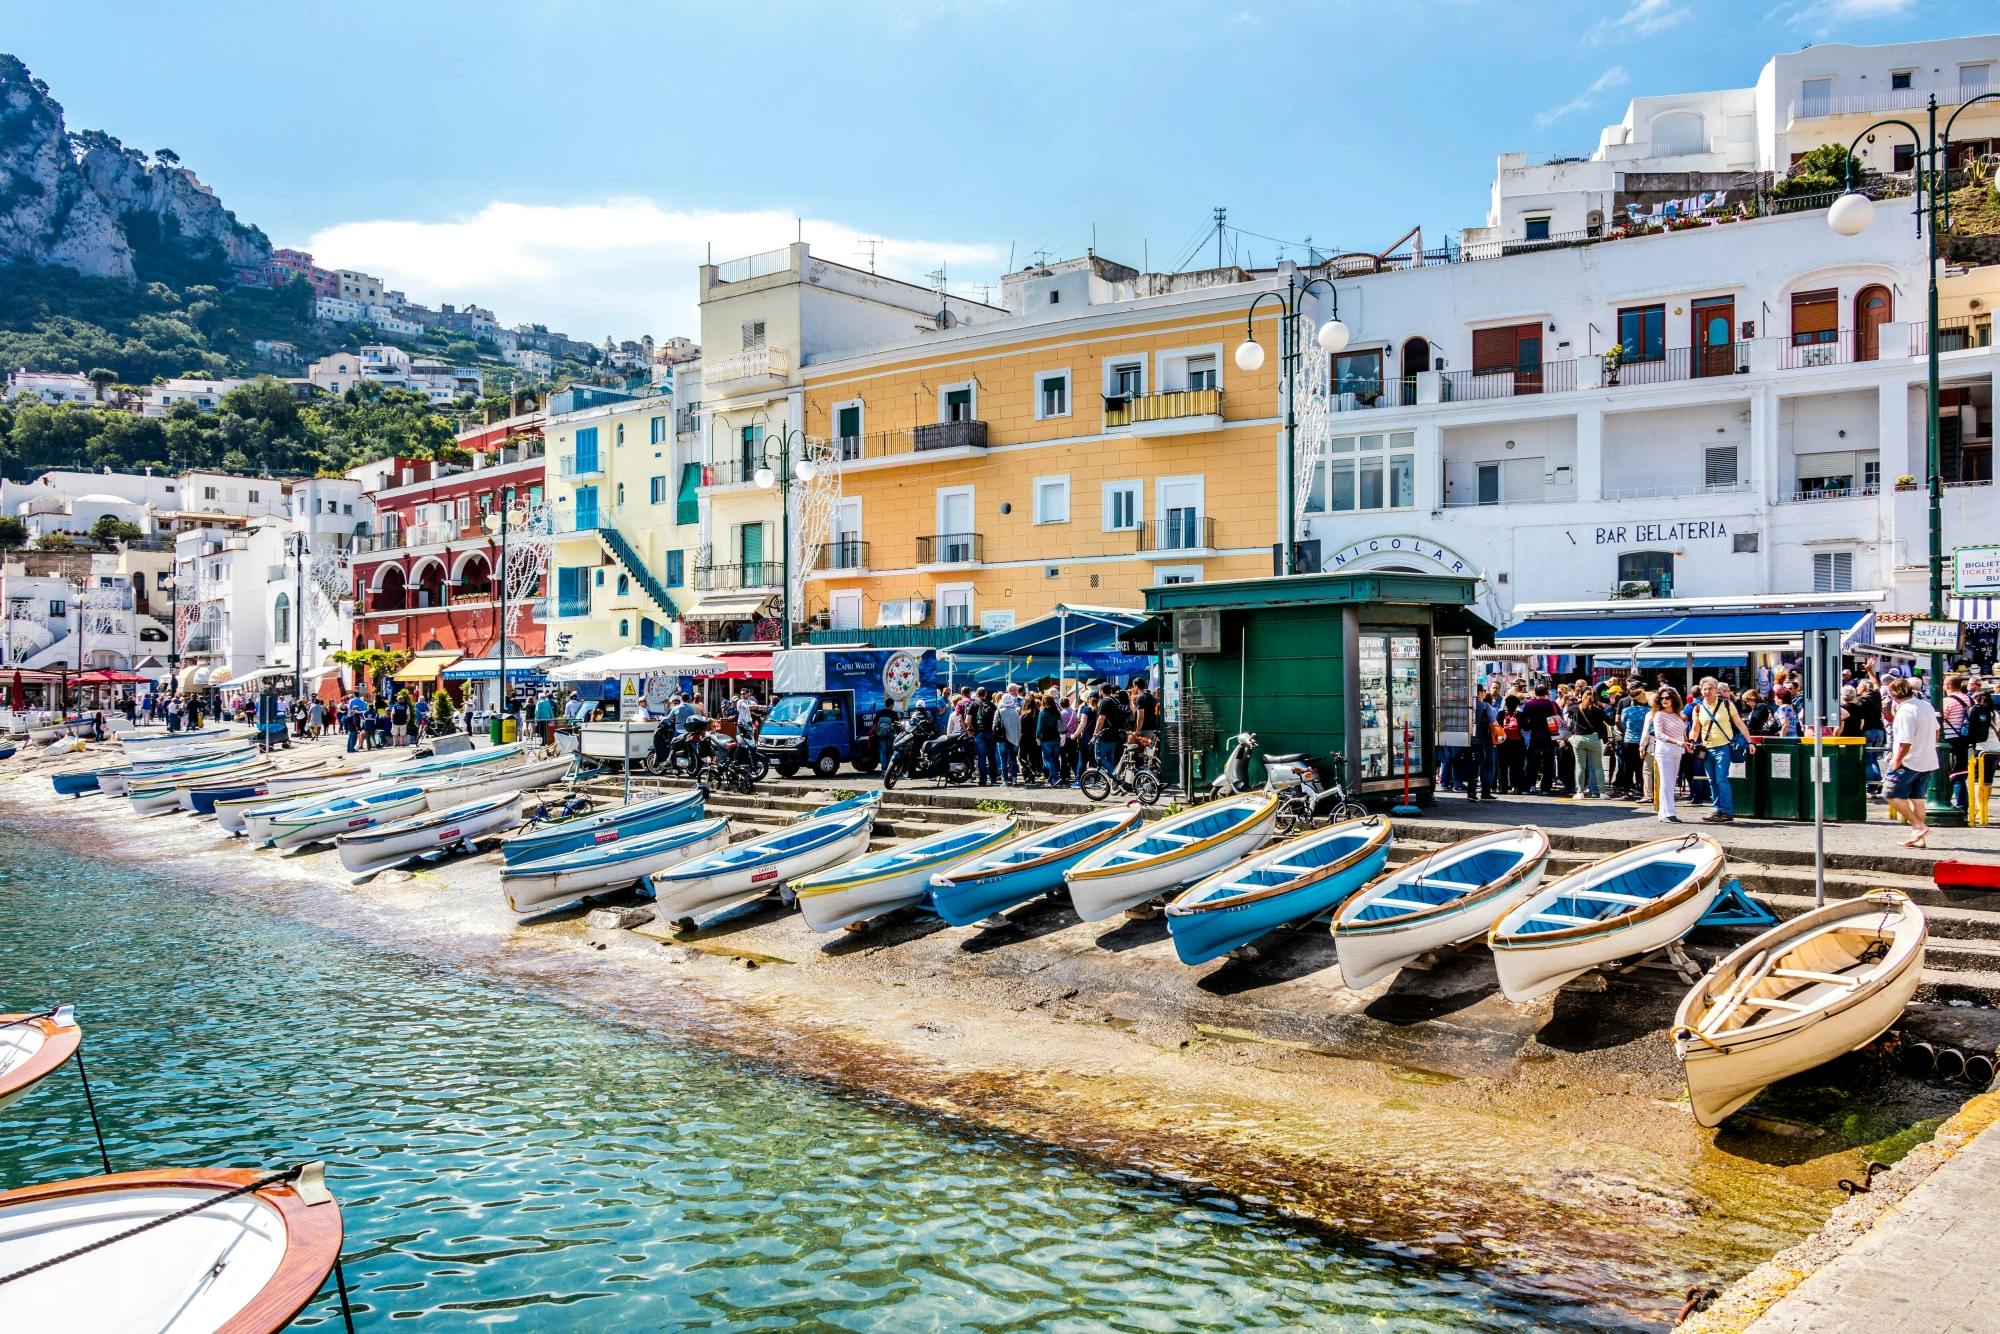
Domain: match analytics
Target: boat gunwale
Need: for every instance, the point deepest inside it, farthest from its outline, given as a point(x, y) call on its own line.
point(1695, 884)
point(808, 886)
point(1121, 825)
point(1264, 812)
point(411, 824)
point(1437, 912)
point(312, 1233)
point(547, 865)
point(320, 814)
point(59, 1043)
point(1383, 832)
point(839, 826)
point(557, 830)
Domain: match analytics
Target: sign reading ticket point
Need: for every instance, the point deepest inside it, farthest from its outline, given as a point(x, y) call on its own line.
point(1975, 571)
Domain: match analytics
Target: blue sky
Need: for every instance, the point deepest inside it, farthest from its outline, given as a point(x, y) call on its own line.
point(571, 162)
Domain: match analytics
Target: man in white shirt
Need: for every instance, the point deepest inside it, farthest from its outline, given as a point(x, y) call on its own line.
point(1913, 757)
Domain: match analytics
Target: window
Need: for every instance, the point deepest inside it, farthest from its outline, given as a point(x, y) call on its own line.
point(844, 609)
point(58, 608)
point(1899, 79)
point(1975, 76)
point(656, 431)
point(676, 568)
point(1816, 91)
point(1652, 568)
point(847, 428)
point(1743, 544)
point(1815, 317)
point(1052, 395)
point(753, 334)
point(1642, 333)
point(749, 451)
point(1201, 371)
point(1125, 379)
point(1052, 500)
point(1177, 574)
point(1719, 466)
point(620, 502)
point(687, 498)
point(1366, 472)
point(1509, 481)
point(1536, 229)
point(1121, 507)
point(281, 618)
point(954, 605)
point(208, 493)
point(1055, 298)
point(624, 585)
point(956, 403)
point(586, 449)
point(620, 439)
point(1833, 572)
point(573, 591)
point(254, 497)
point(624, 627)
point(1358, 373)
point(656, 489)
point(1903, 158)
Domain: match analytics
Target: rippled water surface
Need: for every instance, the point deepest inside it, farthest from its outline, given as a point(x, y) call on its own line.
point(501, 1160)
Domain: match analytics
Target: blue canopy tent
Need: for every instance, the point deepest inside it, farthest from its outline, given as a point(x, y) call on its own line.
point(1069, 643)
point(1687, 635)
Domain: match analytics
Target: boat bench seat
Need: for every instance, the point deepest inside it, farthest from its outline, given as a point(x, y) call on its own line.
point(1773, 1003)
point(1291, 868)
point(1175, 839)
point(1039, 851)
point(1450, 886)
point(1408, 905)
point(1807, 975)
point(1563, 918)
point(1611, 896)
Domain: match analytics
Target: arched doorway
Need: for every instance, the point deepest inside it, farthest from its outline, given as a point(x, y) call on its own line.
point(1416, 360)
point(1873, 308)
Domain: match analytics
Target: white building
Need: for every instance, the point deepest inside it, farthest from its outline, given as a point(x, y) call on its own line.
point(385, 320)
point(51, 386)
point(530, 361)
point(394, 368)
point(50, 599)
point(155, 400)
point(338, 310)
point(1730, 142)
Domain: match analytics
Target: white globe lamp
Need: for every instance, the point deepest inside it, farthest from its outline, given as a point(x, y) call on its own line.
point(1250, 355)
point(1333, 336)
point(1851, 213)
point(764, 477)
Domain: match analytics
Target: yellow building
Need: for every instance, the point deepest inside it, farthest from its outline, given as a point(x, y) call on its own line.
point(1099, 441)
point(625, 521)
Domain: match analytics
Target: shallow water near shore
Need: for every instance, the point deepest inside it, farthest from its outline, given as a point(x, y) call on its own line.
point(502, 1160)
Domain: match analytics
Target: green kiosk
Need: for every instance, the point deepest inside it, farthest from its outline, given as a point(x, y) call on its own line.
point(1367, 666)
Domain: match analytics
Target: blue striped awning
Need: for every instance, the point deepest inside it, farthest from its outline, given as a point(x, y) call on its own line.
point(1653, 631)
point(1974, 611)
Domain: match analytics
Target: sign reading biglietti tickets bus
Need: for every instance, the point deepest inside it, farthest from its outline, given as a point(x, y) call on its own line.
point(1975, 571)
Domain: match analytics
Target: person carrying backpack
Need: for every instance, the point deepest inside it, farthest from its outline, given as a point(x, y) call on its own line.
point(1590, 726)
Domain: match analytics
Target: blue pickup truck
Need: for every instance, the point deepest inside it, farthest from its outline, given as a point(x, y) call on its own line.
point(828, 697)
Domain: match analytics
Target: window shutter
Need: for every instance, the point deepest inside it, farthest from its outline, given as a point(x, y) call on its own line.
point(1494, 349)
point(1833, 572)
point(1719, 466)
point(1521, 479)
point(1815, 312)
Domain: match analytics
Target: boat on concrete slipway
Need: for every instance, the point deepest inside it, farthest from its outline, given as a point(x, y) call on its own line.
point(1171, 855)
point(564, 877)
point(612, 825)
point(318, 821)
point(741, 872)
point(896, 877)
point(1297, 879)
point(392, 844)
point(1031, 865)
point(1445, 898)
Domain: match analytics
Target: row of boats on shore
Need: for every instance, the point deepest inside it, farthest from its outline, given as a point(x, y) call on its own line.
point(1225, 884)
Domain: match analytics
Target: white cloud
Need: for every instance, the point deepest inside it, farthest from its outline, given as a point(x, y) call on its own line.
point(1640, 18)
point(1823, 16)
point(1614, 77)
point(621, 266)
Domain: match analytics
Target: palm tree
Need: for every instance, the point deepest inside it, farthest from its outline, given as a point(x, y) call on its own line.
point(100, 379)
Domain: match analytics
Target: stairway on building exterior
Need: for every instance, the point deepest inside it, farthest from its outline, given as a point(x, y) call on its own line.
point(627, 555)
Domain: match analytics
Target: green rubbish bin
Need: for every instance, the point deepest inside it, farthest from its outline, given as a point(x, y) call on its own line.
point(1844, 775)
point(1747, 780)
point(1784, 775)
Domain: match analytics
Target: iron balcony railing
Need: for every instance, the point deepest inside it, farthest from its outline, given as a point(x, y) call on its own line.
point(1835, 492)
point(1179, 531)
point(1956, 334)
point(1548, 377)
point(948, 435)
point(1797, 356)
point(752, 574)
point(1895, 99)
point(906, 441)
point(843, 553)
point(731, 472)
point(1172, 405)
point(581, 465)
point(1682, 363)
point(951, 549)
point(759, 265)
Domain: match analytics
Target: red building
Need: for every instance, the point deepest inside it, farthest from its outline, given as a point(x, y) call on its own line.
point(425, 580)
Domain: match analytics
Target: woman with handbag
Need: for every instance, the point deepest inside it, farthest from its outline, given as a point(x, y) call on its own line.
point(1722, 739)
point(1665, 740)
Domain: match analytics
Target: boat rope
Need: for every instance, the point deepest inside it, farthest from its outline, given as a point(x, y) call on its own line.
point(1684, 1033)
point(18, 1020)
point(90, 1101)
point(248, 1188)
point(340, 1282)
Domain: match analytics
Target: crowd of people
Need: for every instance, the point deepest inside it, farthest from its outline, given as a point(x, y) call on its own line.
point(1043, 737)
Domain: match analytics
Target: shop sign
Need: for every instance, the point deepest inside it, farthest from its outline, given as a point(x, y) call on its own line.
point(1687, 530)
point(1975, 571)
point(1401, 545)
point(1936, 636)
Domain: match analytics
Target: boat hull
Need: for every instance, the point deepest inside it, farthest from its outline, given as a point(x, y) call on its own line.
point(963, 897)
point(290, 832)
point(240, 815)
point(30, 1052)
point(602, 827)
point(378, 849)
point(863, 896)
point(1097, 897)
point(706, 895)
point(1208, 930)
point(446, 793)
point(1370, 951)
point(538, 886)
point(76, 784)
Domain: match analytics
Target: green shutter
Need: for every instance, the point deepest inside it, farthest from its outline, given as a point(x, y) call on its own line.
point(687, 504)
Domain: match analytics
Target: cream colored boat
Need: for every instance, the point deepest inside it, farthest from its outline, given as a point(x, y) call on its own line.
point(1804, 992)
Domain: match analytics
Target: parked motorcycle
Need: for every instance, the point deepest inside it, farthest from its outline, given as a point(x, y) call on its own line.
point(919, 752)
point(691, 753)
point(1235, 775)
point(730, 763)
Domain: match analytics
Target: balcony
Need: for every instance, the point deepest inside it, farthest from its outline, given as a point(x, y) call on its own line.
point(1179, 531)
point(202, 641)
point(1175, 412)
point(951, 549)
point(730, 472)
point(1548, 377)
point(1897, 99)
point(948, 435)
point(843, 553)
point(1835, 492)
point(1682, 363)
point(581, 465)
point(1799, 356)
point(758, 368)
point(723, 578)
point(1960, 333)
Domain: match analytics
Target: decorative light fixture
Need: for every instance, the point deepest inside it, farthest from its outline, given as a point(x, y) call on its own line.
point(1851, 213)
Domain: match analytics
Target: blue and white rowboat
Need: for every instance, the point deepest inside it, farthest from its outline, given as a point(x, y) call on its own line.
point(872, 800)
point(233, 814)
point(897, 877)
point(1032, 864)
point(602, 827)
point(1452, 896)
point(394, 843)
point(495, 780)
point(201, 798)
point(537, 886)
point(77, 783)
point(156, 796)
point(149, 741)
point(1627, 904)
point(1171, 855)
point(744, 871)
point(316, 822)
point(440, 766)
point(1298, 879)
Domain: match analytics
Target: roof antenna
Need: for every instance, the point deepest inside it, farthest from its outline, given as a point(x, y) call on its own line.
point(1221, 217)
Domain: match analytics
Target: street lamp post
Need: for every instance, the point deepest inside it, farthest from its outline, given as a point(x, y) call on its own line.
point(298, 617)
point(1333, 336)
point(500, 577)
point(782, 478)
point(1850, 216)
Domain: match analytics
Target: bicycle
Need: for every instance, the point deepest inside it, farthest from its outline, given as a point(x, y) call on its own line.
point(1309, 801)
point(1132, 775)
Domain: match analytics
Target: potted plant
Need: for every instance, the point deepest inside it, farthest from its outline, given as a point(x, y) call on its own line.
point(1614, 357)
point(1906, 483)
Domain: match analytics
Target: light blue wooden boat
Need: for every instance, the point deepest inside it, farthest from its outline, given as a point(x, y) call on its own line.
point(879, 882)
point(1168, 856)
point(532, 887)
point(317, 821)
point(76, 784)
point(1295, 880)
point(444, 765)
point(744, 871)
point(604, 827)
point(1032, 864)
point(871, 800)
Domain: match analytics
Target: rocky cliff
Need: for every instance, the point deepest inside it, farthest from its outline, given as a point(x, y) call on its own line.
point(81, 200)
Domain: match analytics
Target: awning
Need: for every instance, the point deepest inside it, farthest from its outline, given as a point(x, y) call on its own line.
point(257, 677)
point(1974, 611)
point(519, 668)
point(1736, 633)
point(744, 666)
point(425, 666)
point(728, 607)
point(196, 678)
point(1069, 641)
point(634, 660)
point(109, 676)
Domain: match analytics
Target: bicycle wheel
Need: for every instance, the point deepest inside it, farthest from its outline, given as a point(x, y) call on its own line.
point(1147, 786)
point(1292, 817)
point(1349, 810)
point(1096, 784)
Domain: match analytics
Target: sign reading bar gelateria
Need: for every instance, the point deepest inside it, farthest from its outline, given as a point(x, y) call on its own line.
point(1689, 530)
point(1380, 551)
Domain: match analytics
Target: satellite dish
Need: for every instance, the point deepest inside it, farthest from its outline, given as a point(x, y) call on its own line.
point(945, 319)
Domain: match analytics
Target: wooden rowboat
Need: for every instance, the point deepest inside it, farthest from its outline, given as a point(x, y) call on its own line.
point(1171, 855)
point(245, 1265)
point(749, 870)
point(1619, 907)
point(33, 1047)
point(549, 882)
point(1449, 897)
point(1299, 878)
point(1802, 993)
point(607, 826)
point(1032, 864)
point(897, 877)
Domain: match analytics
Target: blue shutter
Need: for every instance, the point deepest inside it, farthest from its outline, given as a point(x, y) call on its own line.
point(675, 575)
point(586, 508)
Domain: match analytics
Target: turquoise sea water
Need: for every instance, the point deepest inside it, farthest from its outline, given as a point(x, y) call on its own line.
point(502, 1161)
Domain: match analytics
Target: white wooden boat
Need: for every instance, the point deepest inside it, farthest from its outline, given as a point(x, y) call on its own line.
point(1032, 864)
point(1446, 898)
point(1299, 878)
point(399, 841)
point(439, 766)
point(537, 886)
point(115, 780)
point(315, 822)
point(896, 877)
point(496, 781)
point(150, 742)
point(200, 798)
point(246, 1265)
point(1171, 855)
point(157, 796)
point(33, 1047)
point(1619, 907)
point(232, 814)
point(1808, 990)
point(744, 871)
point(606, 826)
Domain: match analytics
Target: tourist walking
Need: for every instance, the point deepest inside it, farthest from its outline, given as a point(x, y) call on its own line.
point(1590, 727)
point(1538, 729)
point(1913, 757)
point(1665, 739)
point(1952, 730)
point(1049, 738)
point(979, 722)
point(1511, 762)
point(1720, 738)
